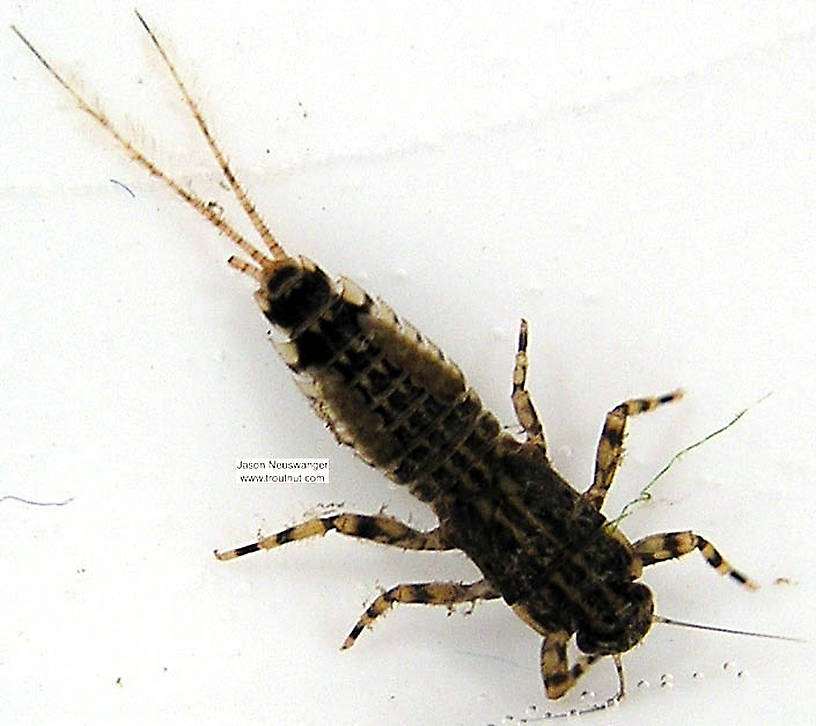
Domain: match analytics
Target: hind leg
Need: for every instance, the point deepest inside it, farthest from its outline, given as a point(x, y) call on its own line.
point(522, 402)
point(377, 528)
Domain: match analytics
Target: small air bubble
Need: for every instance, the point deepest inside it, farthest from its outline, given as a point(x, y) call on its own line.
point(591, 296)
point(666, 677)
point(741, 674)
point(587, 694)
point(728, 665)
point(697, 675)
point(642, 683)
point(532, 710)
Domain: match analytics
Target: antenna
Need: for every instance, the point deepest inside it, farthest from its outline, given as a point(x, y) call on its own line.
point(670, 621)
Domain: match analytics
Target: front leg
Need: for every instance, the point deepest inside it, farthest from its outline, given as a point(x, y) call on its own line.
point(669, 545)
point(559, 678)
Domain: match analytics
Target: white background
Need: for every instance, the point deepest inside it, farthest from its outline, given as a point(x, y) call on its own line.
point(635, 180)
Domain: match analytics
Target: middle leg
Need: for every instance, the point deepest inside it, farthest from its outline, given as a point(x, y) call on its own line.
point(610, 446)
point(427, 593)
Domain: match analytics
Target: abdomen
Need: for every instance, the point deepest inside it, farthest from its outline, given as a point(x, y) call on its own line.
point(381, 387)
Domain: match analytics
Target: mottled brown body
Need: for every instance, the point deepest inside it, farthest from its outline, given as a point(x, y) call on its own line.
point(393, 396)
point(406, 410)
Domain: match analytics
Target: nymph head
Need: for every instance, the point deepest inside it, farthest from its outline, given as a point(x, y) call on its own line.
point(626, 629)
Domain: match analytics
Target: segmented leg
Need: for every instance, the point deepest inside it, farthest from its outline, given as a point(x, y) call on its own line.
point(668, 545)
point(610, 446)
point(426, 593)
point(522, 403)
point(559, 678)
point(377, 528)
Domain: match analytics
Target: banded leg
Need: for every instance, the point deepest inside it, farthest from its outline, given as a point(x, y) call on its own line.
point(426, 593)
point(668, 545)
point(522, 402)
point(610, 446)
point(559, 678)
point(377, 528)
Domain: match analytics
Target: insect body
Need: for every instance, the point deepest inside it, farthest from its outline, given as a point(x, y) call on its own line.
point(406, 409)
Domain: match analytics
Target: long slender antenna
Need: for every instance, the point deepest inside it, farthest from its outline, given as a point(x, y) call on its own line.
point(240, 193)
point(670, 621)
point(139, 157)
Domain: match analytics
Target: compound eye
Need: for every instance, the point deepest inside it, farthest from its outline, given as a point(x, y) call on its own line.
point(626, 628)
point(594, 644)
